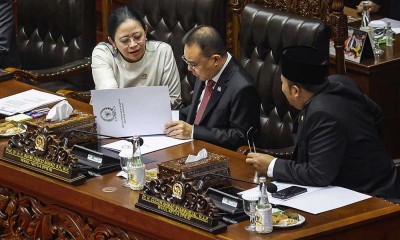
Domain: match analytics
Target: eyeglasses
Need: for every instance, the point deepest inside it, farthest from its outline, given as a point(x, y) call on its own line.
point(193, 67)
point(127, 40)
point(250, 139)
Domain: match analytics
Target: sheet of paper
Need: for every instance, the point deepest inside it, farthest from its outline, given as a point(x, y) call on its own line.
point(394, 23)
point(131, 111)
point(175, 115)
point(317, 199)
point(150, 143)
point(26, 101)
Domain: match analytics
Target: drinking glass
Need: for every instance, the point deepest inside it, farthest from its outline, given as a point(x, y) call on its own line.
point(377, 31)
point(125, 157)
point(249, 206)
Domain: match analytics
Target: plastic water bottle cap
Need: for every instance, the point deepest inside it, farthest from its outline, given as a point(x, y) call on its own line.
point(251, 196)
point(377, 24)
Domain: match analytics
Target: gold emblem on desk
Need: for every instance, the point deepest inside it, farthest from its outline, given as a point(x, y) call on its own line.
point(40, 143)
point(181, 199)
point(42, 152)
point(178, 190)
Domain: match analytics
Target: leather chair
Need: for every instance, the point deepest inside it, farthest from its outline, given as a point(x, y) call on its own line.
point(263, 34)
point(169, 21)
point(56, 39)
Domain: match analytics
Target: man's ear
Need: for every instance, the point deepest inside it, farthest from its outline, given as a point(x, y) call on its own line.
point(216, 58)
point(296, 90)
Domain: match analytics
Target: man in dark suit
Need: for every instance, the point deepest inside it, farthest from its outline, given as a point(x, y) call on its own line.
point(9, 55)
point(225, 103)
point(337, 136)
point(374, 6)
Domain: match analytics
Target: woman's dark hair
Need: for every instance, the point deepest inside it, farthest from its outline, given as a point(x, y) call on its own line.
point(119, 16)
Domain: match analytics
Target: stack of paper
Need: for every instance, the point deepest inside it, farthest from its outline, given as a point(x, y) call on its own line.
point(26, 101)
point(150, 143)
point(317, 199)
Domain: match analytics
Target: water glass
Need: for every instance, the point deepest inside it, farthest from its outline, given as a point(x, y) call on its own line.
point(250, 201)
point(125, 157)
point(377, 32)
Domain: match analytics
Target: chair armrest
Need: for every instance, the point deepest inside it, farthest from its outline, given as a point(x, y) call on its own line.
point(285, 153)
point(51, 74)
point(80, 96)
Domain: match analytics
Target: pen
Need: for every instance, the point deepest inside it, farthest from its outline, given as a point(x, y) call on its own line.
point(36, 111)
point(38, 115)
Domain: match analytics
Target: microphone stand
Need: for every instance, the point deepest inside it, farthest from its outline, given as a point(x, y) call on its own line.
point(97, 161)
point(271, 188)
point(65, 140)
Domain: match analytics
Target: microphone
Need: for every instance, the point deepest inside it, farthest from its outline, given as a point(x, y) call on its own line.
point(271, 188)
point(65, 140)
point(94, 159)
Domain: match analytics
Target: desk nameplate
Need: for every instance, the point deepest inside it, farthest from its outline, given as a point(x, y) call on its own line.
point(42, 166)
point(181, 214)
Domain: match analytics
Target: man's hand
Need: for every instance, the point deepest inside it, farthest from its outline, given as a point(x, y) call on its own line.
point(259, 161)
point(372, 7)
point(178, 129)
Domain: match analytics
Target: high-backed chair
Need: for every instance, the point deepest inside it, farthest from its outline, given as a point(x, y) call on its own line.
point(56, 39)
point(329, 11)
point(263, 34)
point(170, 20)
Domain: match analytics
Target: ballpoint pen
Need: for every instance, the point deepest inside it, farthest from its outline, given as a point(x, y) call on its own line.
point(37, 111)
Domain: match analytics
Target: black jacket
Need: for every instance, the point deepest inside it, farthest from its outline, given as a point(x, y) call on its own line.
point(338, 144)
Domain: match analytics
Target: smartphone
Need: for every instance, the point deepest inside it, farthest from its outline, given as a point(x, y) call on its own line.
point(289, 192)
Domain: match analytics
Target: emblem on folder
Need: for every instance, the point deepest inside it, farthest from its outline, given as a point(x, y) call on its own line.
point(108, 114)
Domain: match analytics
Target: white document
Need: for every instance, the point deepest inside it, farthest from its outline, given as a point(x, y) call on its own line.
point(150, 143)
point(394, 24)
point(131, 111)
point(317, 199)
point(26, 101)
point(175, 115)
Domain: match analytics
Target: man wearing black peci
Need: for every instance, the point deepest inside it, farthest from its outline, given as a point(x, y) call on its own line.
point(337, 136)
point(225, 102)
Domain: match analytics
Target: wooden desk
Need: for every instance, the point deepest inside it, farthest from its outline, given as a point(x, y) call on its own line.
point(379, 79)
point(97, 214)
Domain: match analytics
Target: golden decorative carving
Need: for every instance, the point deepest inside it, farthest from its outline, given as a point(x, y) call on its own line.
point(180, 191)
point(24, 217)
point(41, 143)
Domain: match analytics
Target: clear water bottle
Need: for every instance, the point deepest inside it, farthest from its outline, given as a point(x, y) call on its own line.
point(263, 210)
point(137, 171)
point(365, 17)
point(389, 35)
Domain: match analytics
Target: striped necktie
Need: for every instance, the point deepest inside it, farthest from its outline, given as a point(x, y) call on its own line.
point(204, 101)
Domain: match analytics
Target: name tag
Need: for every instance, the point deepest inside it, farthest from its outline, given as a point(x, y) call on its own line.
point(229, 202)
point(94, 158)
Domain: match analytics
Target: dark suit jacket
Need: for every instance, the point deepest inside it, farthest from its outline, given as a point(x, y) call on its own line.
point(338, 144)
point(233, 108)
point(392, 5)
point(9, 54)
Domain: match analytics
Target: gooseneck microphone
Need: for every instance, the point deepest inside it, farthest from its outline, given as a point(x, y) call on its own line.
point(271, 188)
point(65, 140)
